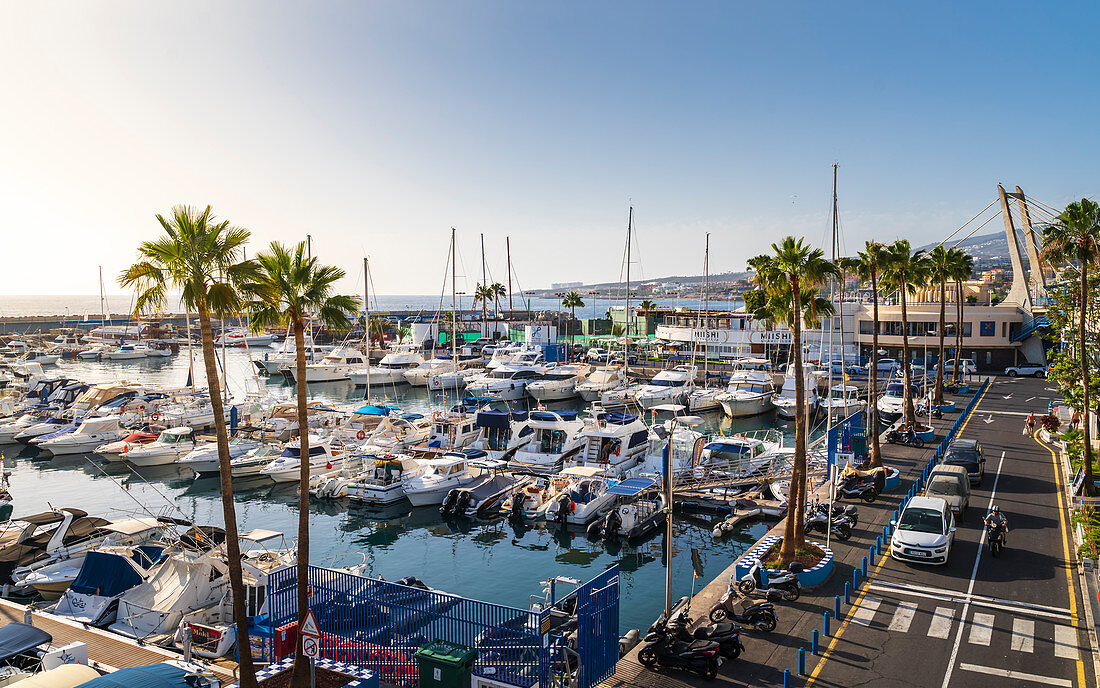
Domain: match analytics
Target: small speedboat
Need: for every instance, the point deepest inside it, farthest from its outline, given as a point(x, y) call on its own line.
point(204, 458)
point(287, 467)
point(171, 445)
point(92, 433)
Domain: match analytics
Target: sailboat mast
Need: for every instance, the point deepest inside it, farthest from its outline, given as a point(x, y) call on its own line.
point(706, 305)
point(102, 301)
point(366, 316)
point(626, 330)
point(508, 247)
point(829, 418)
point(484, 286)
point(454, 306)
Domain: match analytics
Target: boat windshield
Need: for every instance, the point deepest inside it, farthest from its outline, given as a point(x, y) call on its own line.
point(666, 383)
point(296, 452)
point(922, 521)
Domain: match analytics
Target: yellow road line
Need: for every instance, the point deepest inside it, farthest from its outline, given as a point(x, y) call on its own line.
point(882, 560)
point(1065, 551)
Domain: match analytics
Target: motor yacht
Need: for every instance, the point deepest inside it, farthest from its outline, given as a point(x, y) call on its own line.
point(483, 496)
point(254, 461)
point(784, 400)
point(891, 405)
point(52, 426)
point(501, 432)
point(170, 445)
point(453, 429)
point(613, 442)
point(600, 380)
point(272, 362)
point(438, 476)
point(444, 363)
point(453, 378)
point(281, 420)
point(843, 401)
point(667, 387)
point(242, 337)
point(749, 393)
point(9, 430)
point(47, 536)
point(195, 411)
point(287, 468)
point(104, 576)
point(741, 455)
point(91, 433)
point(556, 438)
point(126, 352)
point(397, 433)
point(381, 483)
point(638, 511)
point(506, 382)
point(204, 459)
point(391, 369)
point(517, 356)
point(182, 583)
point(583, 499)
point(336, 365)
point(559, 382)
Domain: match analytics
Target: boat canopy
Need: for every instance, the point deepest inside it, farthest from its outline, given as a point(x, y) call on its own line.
point(132, 526)
point(618, 418)
point(48, 517)
point(161, 675)
point(553, 415)
point(17, 638)
point(374, 410)
point(411, 416)
point(632, 486)
point(496, 418)
point(466, 453)
point(260, 535)
point(105, 574)
point(64, 676)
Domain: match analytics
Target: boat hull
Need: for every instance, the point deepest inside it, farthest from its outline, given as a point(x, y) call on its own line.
point(741, 408)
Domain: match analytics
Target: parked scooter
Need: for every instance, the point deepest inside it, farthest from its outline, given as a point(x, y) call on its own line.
point(906, 437)
point(753, 612)
point(818, 519)
point(863, 487)
point(662, 650)
point(996, 538)
point(922, 410)
point(786, 582)
point(850, 510)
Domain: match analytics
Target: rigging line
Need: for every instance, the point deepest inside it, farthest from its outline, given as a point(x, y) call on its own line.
point(1036, 201)
point(948, 237)
point(975, 230)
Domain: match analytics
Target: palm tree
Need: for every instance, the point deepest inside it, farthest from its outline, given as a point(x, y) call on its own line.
point(483, 294)
point(962, 269)
point(498, 291)
point(647, 307)
point(905, 271)
point(573, 301)
point(1076, 237)
point(403, 333)
point(287, 289)
point(871, 261)
point(941, 265)
point(790, 280)
point(377, 331)
point(201, 258)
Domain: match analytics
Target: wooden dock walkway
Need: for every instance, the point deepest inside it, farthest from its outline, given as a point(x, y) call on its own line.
point(105, 650)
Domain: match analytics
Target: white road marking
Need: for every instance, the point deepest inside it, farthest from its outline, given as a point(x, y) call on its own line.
point(941, 622)
point(903, 617)
point(1065, 642)
point(1019, 675)
point(973, 579)
point(1023, 635)
point(981, 629)
point(977, 600)
point(866, 611)
point(1029, 399)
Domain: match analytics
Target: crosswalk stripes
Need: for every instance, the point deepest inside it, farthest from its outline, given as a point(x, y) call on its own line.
point(1023, 635)
point(903, 617)
point(981, 629)
point(1065, 642)
point(866, 611)
point(942, 619)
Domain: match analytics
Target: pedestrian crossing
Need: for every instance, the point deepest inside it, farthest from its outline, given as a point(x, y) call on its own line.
point(935, 619)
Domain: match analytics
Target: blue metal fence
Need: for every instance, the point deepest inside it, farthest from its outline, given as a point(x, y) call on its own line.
point(598, 628)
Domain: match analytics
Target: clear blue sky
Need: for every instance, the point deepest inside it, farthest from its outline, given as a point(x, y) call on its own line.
point(377, 126)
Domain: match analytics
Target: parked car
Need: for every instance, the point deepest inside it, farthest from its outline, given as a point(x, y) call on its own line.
point(617, 358)
point(924, 533)
point(843, 367)
point(968, 454)
point(884, 365)
point(1032, 369)
point(952, 483)
point(596, 355)
point(969, 367)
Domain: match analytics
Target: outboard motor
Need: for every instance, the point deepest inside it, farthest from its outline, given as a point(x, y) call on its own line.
point(595, 529)
point(462, 502)
point(563, 508)
point(449, 502)
point(614, 522)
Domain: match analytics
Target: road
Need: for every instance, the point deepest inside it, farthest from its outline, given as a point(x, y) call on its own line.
point(1015, 620)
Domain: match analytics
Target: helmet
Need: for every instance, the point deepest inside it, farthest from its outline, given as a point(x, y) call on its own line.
point(996, 509)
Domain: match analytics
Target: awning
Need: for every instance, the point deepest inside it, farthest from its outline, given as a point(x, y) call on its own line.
point(17, 638)
point(151, 676)
point(632, 486)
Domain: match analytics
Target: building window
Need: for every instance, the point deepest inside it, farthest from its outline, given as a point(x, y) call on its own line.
point(1004, 329)
point(866, 326)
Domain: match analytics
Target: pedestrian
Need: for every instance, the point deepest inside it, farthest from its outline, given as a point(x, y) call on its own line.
point(1029, 424)
point(1075, 420)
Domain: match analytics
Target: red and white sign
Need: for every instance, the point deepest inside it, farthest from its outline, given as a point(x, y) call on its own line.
point(311, 647)
point(309, 626)
point(309, 591)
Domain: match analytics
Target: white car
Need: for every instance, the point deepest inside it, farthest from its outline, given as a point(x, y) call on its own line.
point(924, 533)
point(1032, 369)
point(969, 367)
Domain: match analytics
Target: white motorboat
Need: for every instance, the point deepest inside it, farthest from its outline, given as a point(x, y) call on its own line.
point(193, 411)
point(104, 576)
point(184, 582)
point(55, 426)
point(281, 421)
point(287, 468)
point(126, 352)
point(336, 365)
point(92, 353)
point(453, 429)
point(438, 476)
point(506, 382)
point(667, 387)
point(704, 399)
point(601, 380)
point(272, 362)
point(501, 432)
point(784, 400)
point(159, 349)
point(254, 461)
point(391, 369)
point(634, 515)
point(843, 401)
point(453, 378)
point(172, 444)
point(9, 430)
point(741, 455)
point(381, 483)
point(396, 433)
point(47, 537)
point(584, 499)
point(242, 337)
point(204, 458)
point(750, 389)
point(556, 438)
point(91, 433)
point(559, 382)
point(613, 442)
point(483, 496)
point(516, 355)
point(418, 375)
point(891, 405)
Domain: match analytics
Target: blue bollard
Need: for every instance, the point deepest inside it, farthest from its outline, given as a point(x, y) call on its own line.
point(878, 544)
point(826, 619)
point(870, 555)
point(813, 643)
point(836, 606)
point(847, 592)
point(786, 678)
point(855, 579)
point(801, 661)
point(864, 567)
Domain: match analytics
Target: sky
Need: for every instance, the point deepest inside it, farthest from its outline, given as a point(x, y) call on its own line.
point(375, 127)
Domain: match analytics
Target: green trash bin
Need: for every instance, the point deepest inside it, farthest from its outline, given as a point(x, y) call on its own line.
point(441, 664)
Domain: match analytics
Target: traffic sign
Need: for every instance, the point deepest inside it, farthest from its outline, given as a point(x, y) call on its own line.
point(311, 647)
point(309, 626)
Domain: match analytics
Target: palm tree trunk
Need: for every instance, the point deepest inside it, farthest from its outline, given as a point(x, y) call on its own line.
point(794, 535)
point(229, 511)
point(1085, 382)
point(876, 453)
point(910, 412)
point(939, 364)
point(572, 332)
point(957, 372)
point(300, 673)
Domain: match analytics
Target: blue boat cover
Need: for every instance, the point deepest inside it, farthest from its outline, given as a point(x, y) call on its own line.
point(729, 447)
point(372, 410)
point(546, 415)
point(411, 416)
point(632, 486)
point(468, 453)
point(104, 575)
point(17, 638)
point(619, 418)
point(150, 676)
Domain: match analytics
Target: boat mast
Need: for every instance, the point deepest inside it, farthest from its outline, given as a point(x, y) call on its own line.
point(508, 247)
point(485, 288)
point(102, 301)
point(366, 317)
point(829, 410)
point(626, 330)
point(706, 306)
point(454, 306)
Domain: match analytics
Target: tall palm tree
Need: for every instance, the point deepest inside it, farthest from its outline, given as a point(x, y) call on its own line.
point(202, 259)
point(871, 261)
point(483, 294)
point(906, 271)
point(378, 328)
point(962, 269)
point(1075, 237)
point(287, 290)
point(789, 279)
point(941, 266)
point(573, 301)
point(499, 291)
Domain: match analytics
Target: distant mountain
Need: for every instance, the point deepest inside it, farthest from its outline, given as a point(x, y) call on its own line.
point(985, 248)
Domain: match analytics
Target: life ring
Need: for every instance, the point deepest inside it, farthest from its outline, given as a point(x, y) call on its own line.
point(155, 417)
point(122, 409)
point(572, 506)
point(619, 449)
point(437, 416)
point(360, 435)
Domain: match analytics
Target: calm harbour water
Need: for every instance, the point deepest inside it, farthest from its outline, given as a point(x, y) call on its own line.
point(498, 561)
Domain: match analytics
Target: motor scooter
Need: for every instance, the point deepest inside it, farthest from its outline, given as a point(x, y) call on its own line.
point(906, 437)
point(996, 533)
point(786, 582)
point(663, 650)
point(753, 612)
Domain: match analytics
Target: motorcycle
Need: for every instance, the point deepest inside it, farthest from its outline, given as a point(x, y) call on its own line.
point(996, 538)
point(786, 583)
point(863, 487)
point(748, 611)
point(663, 650)
point(727, 635)
point(907, 437)
point(819, 519)
point(848, 511)
point(922, 410)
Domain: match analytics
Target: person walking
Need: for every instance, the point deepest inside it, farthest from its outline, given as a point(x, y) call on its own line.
point(1029, 424)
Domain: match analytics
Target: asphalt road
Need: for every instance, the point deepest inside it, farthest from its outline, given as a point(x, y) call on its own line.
point(1014, 620)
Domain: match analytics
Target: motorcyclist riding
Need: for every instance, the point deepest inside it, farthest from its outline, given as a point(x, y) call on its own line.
point(996, 518)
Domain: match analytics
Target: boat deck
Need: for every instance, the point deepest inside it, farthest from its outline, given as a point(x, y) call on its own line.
point(105, 649)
